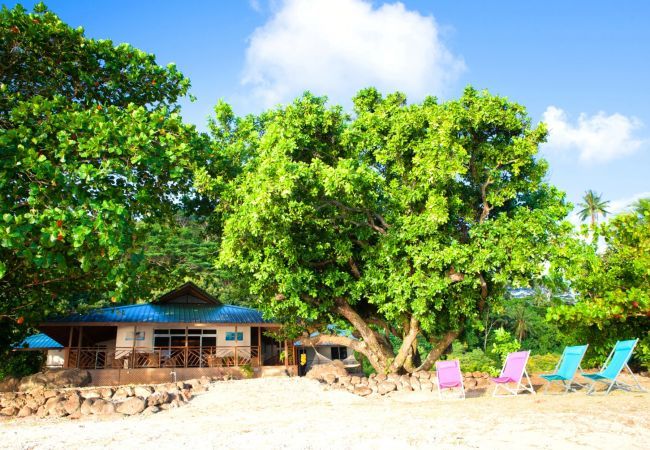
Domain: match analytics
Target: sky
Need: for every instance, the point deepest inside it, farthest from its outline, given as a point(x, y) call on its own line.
point(582, 66)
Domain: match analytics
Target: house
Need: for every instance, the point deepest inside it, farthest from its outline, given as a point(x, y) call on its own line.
point(185, 334)
point(54, 354)
point(326, 352)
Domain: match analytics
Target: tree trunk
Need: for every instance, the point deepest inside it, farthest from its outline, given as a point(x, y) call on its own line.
point(412, 329)
point(439, 349)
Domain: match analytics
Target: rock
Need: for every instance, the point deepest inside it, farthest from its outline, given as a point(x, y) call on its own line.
point(394, 377)
point(9, 411)
point(467, 374)
point(108, 408)
point(424, 375)
point(98, 406)
point(123, 393)
point(415, 384)
point(150, 410)
point(143, 391)
point(25, 411)
point(31, 382)
point(57, 409)
point(42, 411)
point(386, 387)
point(318, 371)
point(194, 383)
point(72, 403)
point(157, 398)
point(477, 374)
point(344, 379)
point(362, 391)
point(64, 378)
point(426, 385)
point(372, 376)
point(131, 406)
point(86, 406)
point(470, 383)
point(355, 380)
point(329, 378)
point(50, 394)
point(186, 395)
point(91, 394)
point(407, 387)
point(381, 377)
point(106, 393)
point(9, 384)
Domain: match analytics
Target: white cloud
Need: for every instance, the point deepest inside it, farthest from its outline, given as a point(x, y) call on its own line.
point(336, 47)
point(597, 138)
point(625, 204)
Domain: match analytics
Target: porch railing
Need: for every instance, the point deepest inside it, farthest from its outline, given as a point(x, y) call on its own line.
point(156, 357)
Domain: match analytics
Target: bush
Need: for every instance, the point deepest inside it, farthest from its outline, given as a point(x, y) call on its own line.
point(21, 364)
point(542, 363)
point(246, 371)
point(503, 344)
point(475, 360)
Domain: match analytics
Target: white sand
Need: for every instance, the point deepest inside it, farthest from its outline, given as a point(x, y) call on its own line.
point(299, 413)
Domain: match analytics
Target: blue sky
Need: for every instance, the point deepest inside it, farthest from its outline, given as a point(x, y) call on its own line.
point(581, 66)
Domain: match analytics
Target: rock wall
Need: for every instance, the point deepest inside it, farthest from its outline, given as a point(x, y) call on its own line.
point(382, 384)
point(77, 402)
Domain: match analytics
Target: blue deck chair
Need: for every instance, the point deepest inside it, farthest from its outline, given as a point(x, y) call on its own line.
point(614, 365)
point(566, 367)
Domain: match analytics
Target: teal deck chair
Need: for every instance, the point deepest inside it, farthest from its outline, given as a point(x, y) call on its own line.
point(614, 365)
point(566, 368)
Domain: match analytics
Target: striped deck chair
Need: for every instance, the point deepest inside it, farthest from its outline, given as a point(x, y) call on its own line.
point(612, 368)
point(566, 368)
point(513, 371)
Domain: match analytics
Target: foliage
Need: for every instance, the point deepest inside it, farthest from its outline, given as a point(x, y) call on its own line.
point(592, 206)
point(20, 364)
point(503, 344)
point(543, 363)
point(405, 218)
point(246, 370)
point(93, 151)
point(475, 360)
point(613, 287)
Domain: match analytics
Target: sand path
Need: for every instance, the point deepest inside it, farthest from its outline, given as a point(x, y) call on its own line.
point(299, 413)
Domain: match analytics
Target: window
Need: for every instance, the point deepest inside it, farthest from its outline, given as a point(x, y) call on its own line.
point(230, 335)
point(339, 352)
point(196, 337)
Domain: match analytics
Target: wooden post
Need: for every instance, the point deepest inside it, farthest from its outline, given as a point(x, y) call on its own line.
point(286, 353)
point(236, 340)
point(186, 347)
point(135, 331)
point(259, 346)
point(79, 345)
point(67, 350)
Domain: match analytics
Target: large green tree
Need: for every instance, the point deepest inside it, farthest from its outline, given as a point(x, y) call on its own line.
point(92, 150)
point(612, 287)
point(404, 221)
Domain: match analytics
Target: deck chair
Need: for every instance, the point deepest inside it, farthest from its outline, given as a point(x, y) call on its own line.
point(613, 366)
point(513, 371)
point(449, 376)
point(566, 367)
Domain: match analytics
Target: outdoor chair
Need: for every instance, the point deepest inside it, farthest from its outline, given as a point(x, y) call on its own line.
point(566, 368)
point(513, 371)
point(449, 376)
point(612, 368)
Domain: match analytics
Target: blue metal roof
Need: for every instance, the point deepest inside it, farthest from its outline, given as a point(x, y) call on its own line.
point(167, 313)
point(40, 340)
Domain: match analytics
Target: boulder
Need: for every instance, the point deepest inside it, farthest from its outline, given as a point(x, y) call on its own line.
point(123, 393)
point(157, 398)
point(72, 403)
point(131, 406)
point(362, 391)
point(57, 409)
point(143, 391)
point(407, 387)
point(65, 378)
point(31, 382)
point(86, 406)
point(426, 385)
point(477, 375)
point(98, 406)
point(424, 375)
point(151, 410)
point(386, 387)
point(106, 393)
point(354, 380)
point(319, 371)
point(381, 377)
point(9, 411)
point(9, 384)
point(415, 383)
point(108, 408)
point(25, 411)
point(329, 378)
point(91, 394)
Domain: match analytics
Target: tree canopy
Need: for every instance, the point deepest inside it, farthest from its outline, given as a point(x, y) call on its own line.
point(405, 220)
point(93, 148)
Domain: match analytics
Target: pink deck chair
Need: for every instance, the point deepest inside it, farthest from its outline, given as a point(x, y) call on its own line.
point(449, 376)
point(513, 371)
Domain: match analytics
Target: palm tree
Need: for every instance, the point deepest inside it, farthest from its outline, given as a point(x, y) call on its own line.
point(593, 206)
point(642, 206)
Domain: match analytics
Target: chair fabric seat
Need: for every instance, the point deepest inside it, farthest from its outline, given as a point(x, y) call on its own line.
point(449, 384)
point(554, 377)
point(504, 380)
point(595, 376)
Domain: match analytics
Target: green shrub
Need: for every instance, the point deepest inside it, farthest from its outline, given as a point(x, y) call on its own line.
point(475, 360)
point(503, 344)
point(542, 363)
point(246, 371)
point(21, 364)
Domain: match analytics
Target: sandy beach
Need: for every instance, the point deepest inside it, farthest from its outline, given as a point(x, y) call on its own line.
point(300, 413)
